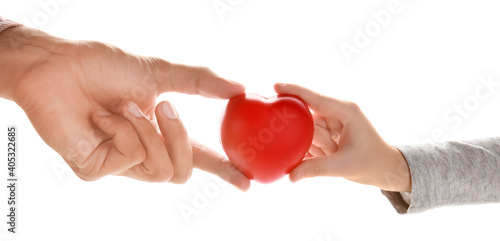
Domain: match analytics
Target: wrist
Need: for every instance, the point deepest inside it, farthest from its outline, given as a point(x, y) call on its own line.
point(396, 174)
point(22, 49)
point(402, 171)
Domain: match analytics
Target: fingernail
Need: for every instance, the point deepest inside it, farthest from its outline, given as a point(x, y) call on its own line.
point(299, 176)
point(134, 110)
point(169, 110)
point(280, 85)
point(103, 113)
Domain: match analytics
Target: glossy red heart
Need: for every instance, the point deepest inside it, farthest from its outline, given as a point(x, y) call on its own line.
point(266, 138)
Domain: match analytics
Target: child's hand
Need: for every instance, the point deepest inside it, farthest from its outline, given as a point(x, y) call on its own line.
point(346, 145)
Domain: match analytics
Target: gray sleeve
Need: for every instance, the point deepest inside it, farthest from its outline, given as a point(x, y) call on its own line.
point(451, 173)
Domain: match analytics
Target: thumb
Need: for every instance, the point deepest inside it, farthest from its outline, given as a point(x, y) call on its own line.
point(332, 165)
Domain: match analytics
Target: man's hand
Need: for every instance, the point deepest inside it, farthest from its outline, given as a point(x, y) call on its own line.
point(95, 105)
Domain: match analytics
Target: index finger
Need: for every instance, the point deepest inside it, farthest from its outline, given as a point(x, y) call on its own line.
point(193, 80)
point(322, 105)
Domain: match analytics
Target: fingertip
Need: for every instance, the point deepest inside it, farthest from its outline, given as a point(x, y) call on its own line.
point(243, 184)
point(132, 109)
point(234, 176)
point(238, 86)
point(278, 87)
point(235, 88)
point(167, 109)
point(296, 176)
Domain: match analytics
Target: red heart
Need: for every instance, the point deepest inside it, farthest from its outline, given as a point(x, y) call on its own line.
point(266, 138)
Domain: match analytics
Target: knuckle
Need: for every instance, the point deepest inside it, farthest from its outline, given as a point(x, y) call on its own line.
point(179, 179)
point(319, 170)
point(161, 176)
point(86, 175)
point(85, 178)
point(84, 169)
point(160, 173)
point(157, 66)
point(156, 145)
point(353, 107)
point(181, 176)
point(204, 69)
point(138, 155)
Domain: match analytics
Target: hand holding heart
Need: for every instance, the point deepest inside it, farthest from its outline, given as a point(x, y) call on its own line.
point(269, 138)
point(345, 144)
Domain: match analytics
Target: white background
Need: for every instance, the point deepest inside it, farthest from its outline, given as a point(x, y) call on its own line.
point(427, 59)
